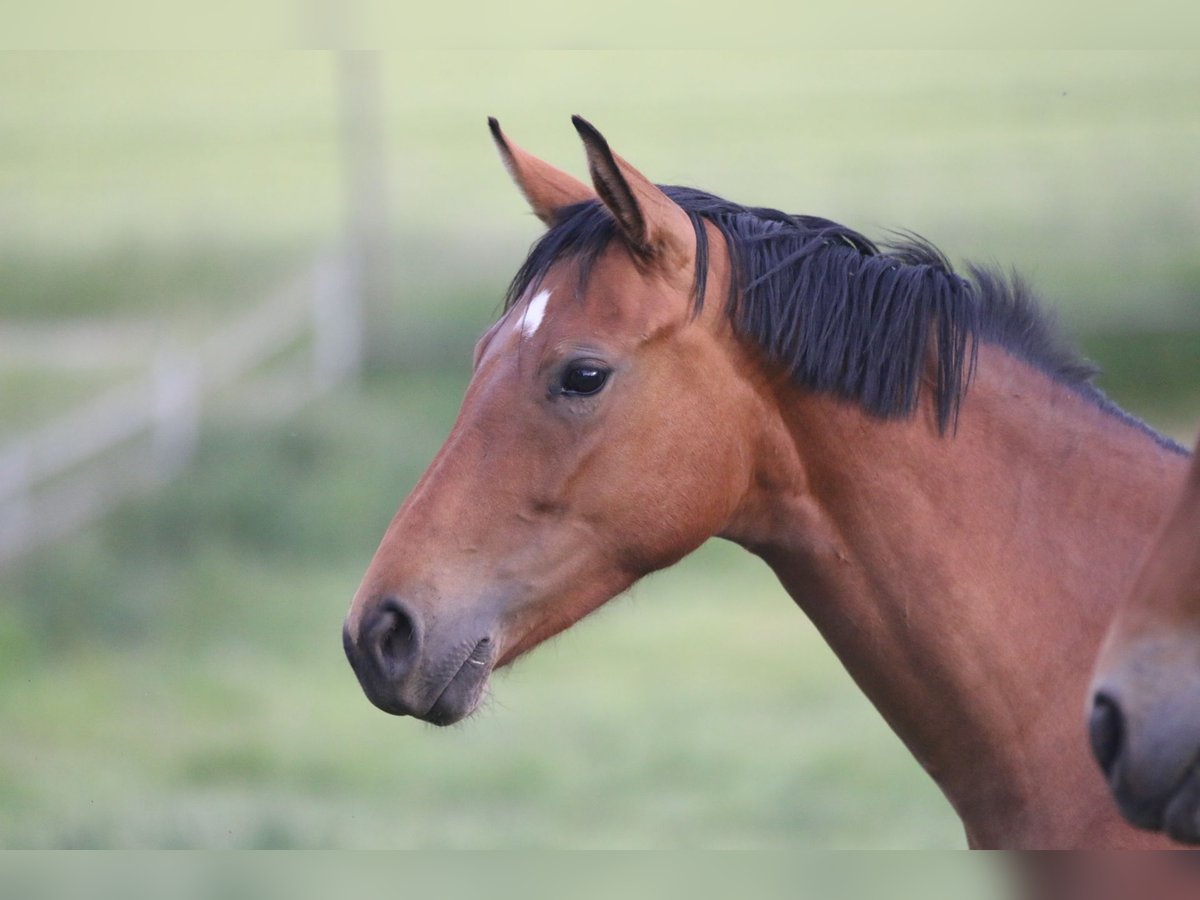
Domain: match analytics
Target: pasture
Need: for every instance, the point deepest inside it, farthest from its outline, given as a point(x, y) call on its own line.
point(173, 675)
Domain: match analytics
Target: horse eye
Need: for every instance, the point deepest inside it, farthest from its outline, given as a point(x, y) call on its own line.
point(584, 379)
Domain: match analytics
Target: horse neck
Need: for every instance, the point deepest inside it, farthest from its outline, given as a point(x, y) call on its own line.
point(965, 580)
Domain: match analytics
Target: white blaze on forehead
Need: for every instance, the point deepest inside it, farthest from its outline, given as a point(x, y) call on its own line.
point(535, 311)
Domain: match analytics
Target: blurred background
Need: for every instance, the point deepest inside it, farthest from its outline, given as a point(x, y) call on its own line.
point(238, 295)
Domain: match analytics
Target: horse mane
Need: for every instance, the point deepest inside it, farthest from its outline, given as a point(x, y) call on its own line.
point(840, 313)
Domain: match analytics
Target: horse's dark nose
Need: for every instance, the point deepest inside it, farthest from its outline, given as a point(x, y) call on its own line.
point(1106, 726)
point(413, 663)
point(387, 648)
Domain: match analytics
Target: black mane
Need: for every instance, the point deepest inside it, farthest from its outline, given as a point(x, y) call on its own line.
point(840, 313)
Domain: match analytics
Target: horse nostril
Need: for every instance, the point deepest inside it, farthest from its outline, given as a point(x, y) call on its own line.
point(1107, 729)
point(392, 639)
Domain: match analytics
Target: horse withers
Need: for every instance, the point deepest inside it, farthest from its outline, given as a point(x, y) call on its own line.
point(1145, 710)
point(918, 456)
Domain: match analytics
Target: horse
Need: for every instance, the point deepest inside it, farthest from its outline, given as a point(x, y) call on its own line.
point(1145, 711)
point(918, 455)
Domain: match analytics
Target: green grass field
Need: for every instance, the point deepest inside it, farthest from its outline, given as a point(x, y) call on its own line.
point(173, 676)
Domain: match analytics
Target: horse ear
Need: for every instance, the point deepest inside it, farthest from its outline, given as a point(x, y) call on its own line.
point(546, 188)
point(650, 220)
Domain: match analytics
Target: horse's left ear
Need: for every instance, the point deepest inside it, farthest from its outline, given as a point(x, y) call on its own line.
point(650, 220)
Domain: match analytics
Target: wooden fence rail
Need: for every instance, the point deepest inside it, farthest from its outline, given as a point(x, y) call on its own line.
point(66, 473)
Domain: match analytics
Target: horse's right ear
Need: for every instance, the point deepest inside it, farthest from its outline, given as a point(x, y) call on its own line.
point(546, 188)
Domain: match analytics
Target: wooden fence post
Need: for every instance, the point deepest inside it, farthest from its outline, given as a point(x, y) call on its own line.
point(15, 501)
point(366, 252)
point(337, 326)
point(175, 408)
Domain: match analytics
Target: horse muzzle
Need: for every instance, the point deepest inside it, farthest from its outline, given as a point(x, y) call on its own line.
point(439, 678)
point(1152, 764)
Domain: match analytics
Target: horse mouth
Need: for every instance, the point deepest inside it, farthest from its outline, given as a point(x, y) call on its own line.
point(1176, 813)
point(1181, 817)
point(462, 693)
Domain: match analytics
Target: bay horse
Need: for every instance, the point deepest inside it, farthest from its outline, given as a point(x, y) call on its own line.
point(918, 456)
point(1145, 714)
